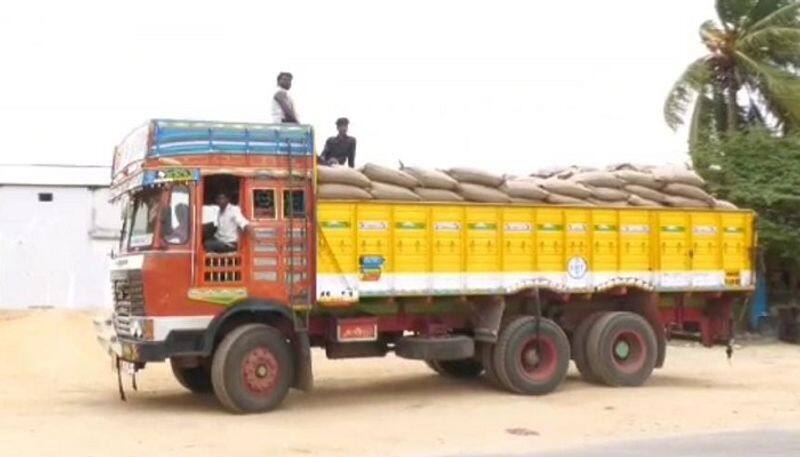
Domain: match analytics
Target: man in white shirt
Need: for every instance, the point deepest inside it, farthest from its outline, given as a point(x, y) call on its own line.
point(282, 105)
point(229, 221)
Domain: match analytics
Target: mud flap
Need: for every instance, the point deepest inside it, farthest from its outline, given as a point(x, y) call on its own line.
point(304, 376)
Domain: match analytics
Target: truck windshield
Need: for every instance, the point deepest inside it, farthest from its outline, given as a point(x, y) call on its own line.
point(143, 214)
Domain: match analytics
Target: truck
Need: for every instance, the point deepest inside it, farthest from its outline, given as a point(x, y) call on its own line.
point(507, 292)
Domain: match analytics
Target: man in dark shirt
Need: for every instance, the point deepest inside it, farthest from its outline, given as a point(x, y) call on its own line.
point(340, 148)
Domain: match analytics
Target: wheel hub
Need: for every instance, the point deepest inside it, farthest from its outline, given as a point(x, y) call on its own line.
point(531, 357)
point(260, 371)
point(622, 349)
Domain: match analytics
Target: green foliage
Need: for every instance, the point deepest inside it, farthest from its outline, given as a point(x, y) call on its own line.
point(758, 170)
point(749, 76)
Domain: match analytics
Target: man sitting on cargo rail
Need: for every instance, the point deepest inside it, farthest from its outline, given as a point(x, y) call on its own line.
point(340, 149)
point(229, 221)
point(282, 104)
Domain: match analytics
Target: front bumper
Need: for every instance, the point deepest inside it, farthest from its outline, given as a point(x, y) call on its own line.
point(178, 343)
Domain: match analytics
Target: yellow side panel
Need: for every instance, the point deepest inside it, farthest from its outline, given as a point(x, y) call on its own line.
point(736, 242)
point(578, 225)
point(482, 239)
point(673, 239)
point(411, 251)
point(605, 240)
point(705, 253)
point(336, 242)
point(374, 232)
point(635, 236)
point(550, 239)
point(447, 223)
point(518, 243)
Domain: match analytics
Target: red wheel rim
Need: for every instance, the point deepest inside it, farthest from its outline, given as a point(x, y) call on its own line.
point(260, 371)
point(538, 359)
point(628, 351)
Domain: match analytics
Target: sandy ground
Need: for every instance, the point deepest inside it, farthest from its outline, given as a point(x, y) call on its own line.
point(58, 397)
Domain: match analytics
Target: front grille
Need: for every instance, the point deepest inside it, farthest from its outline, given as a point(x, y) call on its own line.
point(128, 299)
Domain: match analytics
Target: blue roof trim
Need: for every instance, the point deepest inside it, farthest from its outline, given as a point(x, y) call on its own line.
point(173, 138)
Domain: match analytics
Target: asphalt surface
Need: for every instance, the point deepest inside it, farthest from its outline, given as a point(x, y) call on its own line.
point(765, 443)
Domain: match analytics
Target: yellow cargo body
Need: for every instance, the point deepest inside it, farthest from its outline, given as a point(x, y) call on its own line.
point(376, 249)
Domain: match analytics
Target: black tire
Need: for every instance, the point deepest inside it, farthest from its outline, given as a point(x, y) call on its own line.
point(464, 368)
point(528, 364)
point(195, 379)
point(434, 366)
point(622, 349)
point(486, 353)
point(579, 340)
point(252, 369)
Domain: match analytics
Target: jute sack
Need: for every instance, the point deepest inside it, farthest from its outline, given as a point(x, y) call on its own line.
point(608, 194)
point(438, 195)
point(342, 192)
point(432, 178)
point(340, 174)
point(635, 200)
point(673, 174)
point(645, 192)
point(568, 188)
point(475, 176)
point(598, 178)
point(616, 203)
point(558, 199)
point(389, 176)
point(524, 188)
point(724, 204)
point(384, 191)
point(685, 190)
point(527, 201)
point(683, 202)
point(479, 193)
point(639, 178)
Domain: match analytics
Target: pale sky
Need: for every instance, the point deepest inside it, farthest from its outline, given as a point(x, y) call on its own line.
point(503, 85)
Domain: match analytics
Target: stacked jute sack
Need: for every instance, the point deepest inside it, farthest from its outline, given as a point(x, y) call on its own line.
point(619, 185)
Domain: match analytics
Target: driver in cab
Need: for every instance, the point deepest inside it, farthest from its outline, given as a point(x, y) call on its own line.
point(229, 222)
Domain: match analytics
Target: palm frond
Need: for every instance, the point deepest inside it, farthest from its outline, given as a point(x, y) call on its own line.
point(785, 16)
point(693, 80)
point(782, 44)
point(762, 9)
point(781, 90)
point(702, 120)
point(733, 12)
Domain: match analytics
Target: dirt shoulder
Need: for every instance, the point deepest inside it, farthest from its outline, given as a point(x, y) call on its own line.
point(58, 396)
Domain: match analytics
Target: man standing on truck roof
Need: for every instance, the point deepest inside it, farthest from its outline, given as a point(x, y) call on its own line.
point(340, 149)
point(229, 221)
point(282, 105)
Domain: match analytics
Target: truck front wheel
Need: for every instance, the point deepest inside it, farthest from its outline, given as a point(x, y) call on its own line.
point(252, 369)
point(196, 378)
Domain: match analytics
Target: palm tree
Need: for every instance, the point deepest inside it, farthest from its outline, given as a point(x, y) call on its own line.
point(749, 76)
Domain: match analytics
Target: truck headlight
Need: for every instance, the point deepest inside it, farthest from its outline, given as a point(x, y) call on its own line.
point(142, 329)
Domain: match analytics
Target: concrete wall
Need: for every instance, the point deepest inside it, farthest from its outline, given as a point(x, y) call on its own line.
point(56, 253)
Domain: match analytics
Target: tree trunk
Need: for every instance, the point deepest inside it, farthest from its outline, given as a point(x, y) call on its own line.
point(732, 108)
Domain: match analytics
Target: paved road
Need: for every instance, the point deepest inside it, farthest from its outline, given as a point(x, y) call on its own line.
point(766, 443)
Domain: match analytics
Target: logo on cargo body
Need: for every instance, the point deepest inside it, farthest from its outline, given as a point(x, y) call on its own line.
point(371, 267)
point(408, 225)
point(447, 226)
point(575, 228)
point(577, 267)
point(482, 226)
point(373, 226)
point(705, 230)
point(605, 227)
point(335, 225)
point(635, 229)
point(553, 227)
point(673, 228)
point(734, 230)
point(518, 227)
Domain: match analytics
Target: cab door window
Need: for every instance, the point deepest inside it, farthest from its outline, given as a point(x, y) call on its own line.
point(264, 207)
point(177, 217)
point(294, 204)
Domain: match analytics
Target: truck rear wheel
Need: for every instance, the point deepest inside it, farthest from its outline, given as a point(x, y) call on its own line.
point(252, 369)
point(196, 379)
point(621, 349)
point(579, 339)
point(532, 362)
point(462, 368)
